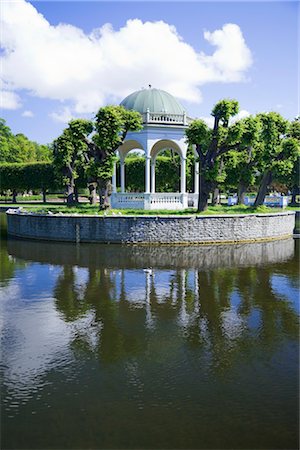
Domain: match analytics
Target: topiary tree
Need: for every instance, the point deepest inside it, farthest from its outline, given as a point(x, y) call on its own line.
point(211, 145)
point(242, 166)
point(23, 177)
point(96, 153)
point(279, 151)
point(112, 124)
point(70, 153)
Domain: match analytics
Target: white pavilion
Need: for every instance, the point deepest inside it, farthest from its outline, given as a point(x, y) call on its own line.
point(164, 125)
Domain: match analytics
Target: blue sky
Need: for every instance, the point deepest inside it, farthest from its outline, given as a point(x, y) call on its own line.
point(254, 61)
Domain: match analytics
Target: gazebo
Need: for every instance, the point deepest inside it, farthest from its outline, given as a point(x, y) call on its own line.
point(164, 125)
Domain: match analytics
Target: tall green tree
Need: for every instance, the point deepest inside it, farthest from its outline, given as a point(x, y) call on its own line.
point(69, 153)
point(78, 147)
point(211, 145)
point(19, 149)
point(112, 124)
point(242, 166)
point(279, 151)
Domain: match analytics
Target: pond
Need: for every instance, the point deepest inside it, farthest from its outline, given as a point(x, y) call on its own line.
point(124, 347)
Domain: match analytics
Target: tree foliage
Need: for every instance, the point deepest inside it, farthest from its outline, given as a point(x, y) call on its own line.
point(19, 177)
point(19, 149)
point(279, 151)
point(92, 145)
point(211, 145)
point(69, 153)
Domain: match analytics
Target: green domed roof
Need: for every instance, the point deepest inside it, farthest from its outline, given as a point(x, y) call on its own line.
point(153, 99)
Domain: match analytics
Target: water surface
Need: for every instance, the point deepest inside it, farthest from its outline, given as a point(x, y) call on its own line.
point(200, 352)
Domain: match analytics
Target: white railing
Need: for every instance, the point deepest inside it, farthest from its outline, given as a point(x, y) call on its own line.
point(172, 201)
point(127, 201)
point(152, 117)
point(166, 201)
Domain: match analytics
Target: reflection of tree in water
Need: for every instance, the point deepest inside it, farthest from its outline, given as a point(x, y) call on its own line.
point(228, 339)
point(277, 316)
point(213, 314)
point(8, 265)
point(68, 300)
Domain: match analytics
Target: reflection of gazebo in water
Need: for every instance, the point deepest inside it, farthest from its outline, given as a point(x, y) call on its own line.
point(164, 125)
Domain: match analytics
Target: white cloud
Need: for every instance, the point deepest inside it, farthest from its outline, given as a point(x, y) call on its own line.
point(232, 56)
point(27, 113)
point(64, 115)
point(63, 63)
point(242, 114)
point(209, 120)
point(9, 100)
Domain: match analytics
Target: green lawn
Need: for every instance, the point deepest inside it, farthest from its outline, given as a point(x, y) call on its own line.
point(89, 209)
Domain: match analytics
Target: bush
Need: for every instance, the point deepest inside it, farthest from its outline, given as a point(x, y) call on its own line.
point(24, 177)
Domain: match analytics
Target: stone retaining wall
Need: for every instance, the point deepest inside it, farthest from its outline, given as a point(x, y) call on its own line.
point(151, 229)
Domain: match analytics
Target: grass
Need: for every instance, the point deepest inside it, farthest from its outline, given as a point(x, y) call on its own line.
point(94, 210)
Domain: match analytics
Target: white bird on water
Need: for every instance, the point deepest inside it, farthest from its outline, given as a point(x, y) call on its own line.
point(148, 270)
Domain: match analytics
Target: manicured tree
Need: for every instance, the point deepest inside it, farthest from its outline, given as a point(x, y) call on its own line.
point(279, 151)
point(12, 177)
point(111, 126)
point(40, 176)
point(294, 179)
point(212, 144)
point(24, 177)
point(69, 152)
point(242, 166)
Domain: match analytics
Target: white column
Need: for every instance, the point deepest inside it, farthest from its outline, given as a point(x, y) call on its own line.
point(196, 179)
point(147, 175)
point(182, 176)
point(153, 176)
point(114, 178)
point(122, 176)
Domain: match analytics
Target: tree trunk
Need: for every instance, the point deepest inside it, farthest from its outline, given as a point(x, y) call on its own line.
point(70, 194)
point(262, 192)
point(295, 192)
point(104, 189)
point(215, 197)
point(93, 193)
point(204, 191)
point(242, 189)
point(14, 196)
point(44, 191)
point(76, 194)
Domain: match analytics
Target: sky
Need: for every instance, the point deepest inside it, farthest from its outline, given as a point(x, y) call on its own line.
point(60, 60)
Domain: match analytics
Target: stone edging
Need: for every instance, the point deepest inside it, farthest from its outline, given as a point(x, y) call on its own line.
point(229, 228)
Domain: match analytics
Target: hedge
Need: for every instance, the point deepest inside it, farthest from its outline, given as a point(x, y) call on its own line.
point(167, 174)
point(24, 177)
point(43, 176)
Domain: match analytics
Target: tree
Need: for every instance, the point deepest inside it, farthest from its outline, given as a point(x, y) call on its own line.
point(69, 152)
point(20, 177)
point(19, 149)
point(242, 166)
point(112, 124)
point(75, 148)
point(212, 144)
point(279, 151)
point(294, 179)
